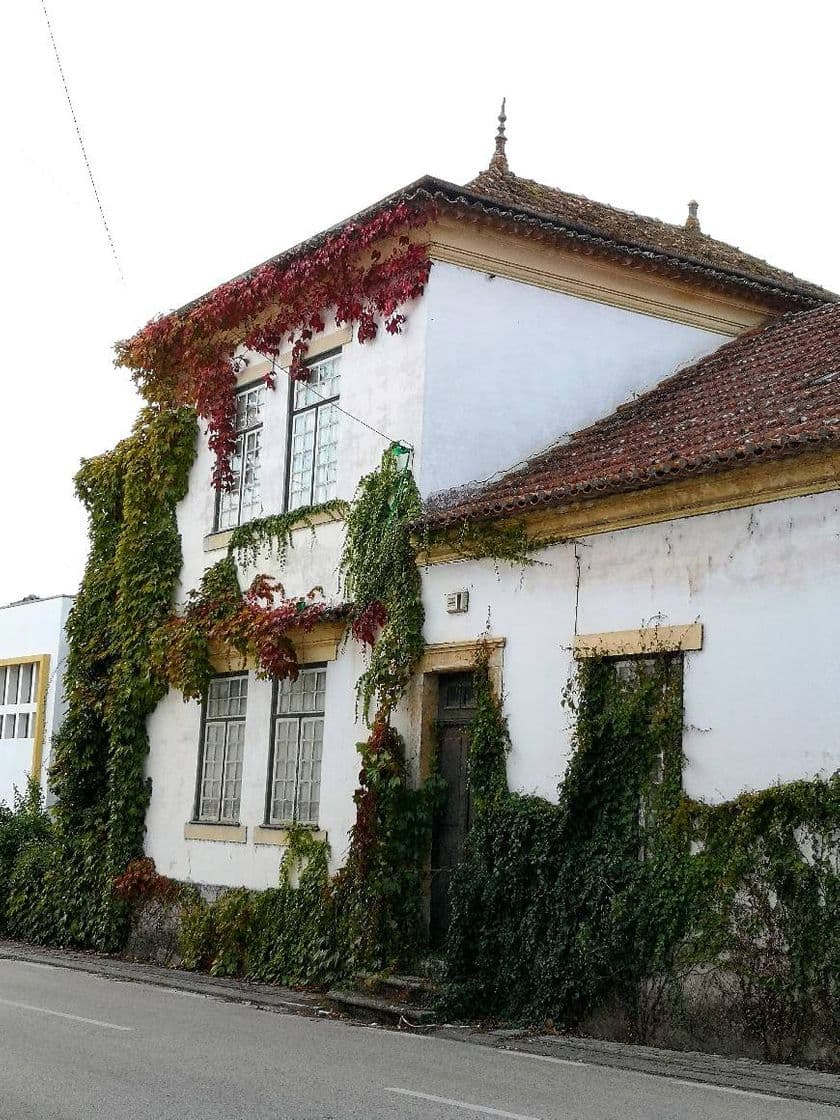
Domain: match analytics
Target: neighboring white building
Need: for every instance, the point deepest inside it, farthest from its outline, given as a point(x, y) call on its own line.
point(544, 313)
point(33, 647)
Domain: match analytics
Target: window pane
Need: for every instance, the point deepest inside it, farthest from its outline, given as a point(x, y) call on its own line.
point(229, 500)
point(326, 454)
point(232, 775)
point(24, 722)
point(12, 681)
point(309, 770)
point(325, 377)
point(2, 685)
point(249, 405)
point(306, 694)
point(285, 766)
point(251, 505)
point(211, 779)
point(302, 459)
point(26, 675)
point(223, 749)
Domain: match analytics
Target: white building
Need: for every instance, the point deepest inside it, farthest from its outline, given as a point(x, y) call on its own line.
point(544, 313)
point(33, 647)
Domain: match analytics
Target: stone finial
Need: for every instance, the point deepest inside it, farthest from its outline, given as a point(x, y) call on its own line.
point(499, 161)
point(692, 222)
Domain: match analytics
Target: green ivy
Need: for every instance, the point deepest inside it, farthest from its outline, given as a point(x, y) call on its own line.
point(314, 928)
point(60, 889)
point(275, 532)
point(380, 568)
point(625, 885)
point(501, 542)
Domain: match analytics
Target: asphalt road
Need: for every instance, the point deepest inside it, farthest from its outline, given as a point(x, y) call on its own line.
point(79, 1047)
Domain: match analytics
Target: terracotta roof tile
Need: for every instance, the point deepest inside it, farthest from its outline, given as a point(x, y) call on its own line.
point(767, 394)
point(687, 245)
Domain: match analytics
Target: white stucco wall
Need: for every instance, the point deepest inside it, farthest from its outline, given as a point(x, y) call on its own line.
point(512, 368)
point(33, 629)
point(762, 698)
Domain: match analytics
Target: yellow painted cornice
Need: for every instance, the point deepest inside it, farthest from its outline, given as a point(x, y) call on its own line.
point(321, 643)
point(543, 264)
point(812, 472)
point(649, 639)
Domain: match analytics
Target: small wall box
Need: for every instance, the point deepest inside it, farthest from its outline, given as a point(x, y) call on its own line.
point(457, 602)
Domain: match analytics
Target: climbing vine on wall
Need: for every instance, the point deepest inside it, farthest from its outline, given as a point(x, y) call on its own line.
point(382, 581)
point(368, 916)
point(219, 617)
point(60, 886)
point(190, 357)
point(275, 532)
point(625, 886)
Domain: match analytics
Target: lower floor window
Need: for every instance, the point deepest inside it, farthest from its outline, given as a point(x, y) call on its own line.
point(222, 749)
point(297, 747)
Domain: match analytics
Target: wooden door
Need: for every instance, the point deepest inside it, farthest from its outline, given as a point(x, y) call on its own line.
point(456, 706)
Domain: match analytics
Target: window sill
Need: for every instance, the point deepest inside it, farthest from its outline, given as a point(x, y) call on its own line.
point(278, 834)
point(225, 833)
point(214, 541)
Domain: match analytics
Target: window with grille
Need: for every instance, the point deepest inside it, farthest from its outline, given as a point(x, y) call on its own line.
point(222, 750)
point(297, 746)
point(242, 501)
point(18, 700)
point(313, 437)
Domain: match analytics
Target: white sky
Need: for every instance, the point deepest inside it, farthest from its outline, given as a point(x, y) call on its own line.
point(221, 133)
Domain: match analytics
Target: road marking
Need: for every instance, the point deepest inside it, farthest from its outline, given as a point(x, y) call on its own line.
point(649, 1073)
point(64, 1015)
point(465, 1105)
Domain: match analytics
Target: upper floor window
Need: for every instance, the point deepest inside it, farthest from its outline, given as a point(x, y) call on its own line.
point(18, 700)
point(313, 437)
point(222, 749)
point(242, 502)
point(297, 745)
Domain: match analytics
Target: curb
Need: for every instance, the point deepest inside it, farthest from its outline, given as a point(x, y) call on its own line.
point(741, 1074)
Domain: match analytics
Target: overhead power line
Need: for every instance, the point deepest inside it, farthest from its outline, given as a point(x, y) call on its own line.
point(82, 143)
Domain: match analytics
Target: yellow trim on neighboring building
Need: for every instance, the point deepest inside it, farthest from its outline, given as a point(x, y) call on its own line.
point(649, 639)
point(812, 472)
point(545, 265)
point(42, 660)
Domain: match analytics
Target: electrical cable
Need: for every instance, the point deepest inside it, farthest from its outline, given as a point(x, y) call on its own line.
point(82, 143)
point(350, 415)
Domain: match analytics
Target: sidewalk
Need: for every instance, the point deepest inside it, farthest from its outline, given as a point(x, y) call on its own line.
point(791, 1082)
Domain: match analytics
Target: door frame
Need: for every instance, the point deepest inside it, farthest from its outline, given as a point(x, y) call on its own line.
point(443, 657)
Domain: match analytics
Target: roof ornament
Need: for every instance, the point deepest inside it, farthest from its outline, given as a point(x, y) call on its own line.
point(692, 222)
point(499, 161)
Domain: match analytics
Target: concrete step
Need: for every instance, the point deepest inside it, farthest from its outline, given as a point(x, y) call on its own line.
point(375, 1008)
point(418, 991)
